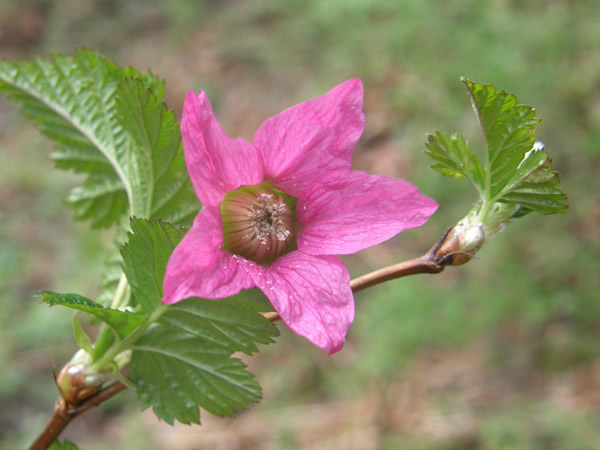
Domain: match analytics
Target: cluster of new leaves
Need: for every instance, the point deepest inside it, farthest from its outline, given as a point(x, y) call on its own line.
point(514, 172)
point(111, 124)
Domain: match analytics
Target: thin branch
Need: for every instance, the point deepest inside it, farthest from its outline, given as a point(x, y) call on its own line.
point(433, 261)
point(430, 262)
point(59, 420)
point(63, 414)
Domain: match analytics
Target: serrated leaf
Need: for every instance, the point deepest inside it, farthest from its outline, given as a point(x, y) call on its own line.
point(174, 198)
point(224, 324)
point(153, 129)
point(539, 191)
point(183, 361)
point(110, 123)
point(453, 158)
point(509, 131)
point(520, 172)
point(72, 100)
point(145, 258)
point(122, 322)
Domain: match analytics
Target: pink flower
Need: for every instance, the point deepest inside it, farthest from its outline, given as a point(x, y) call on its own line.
point(278, 210)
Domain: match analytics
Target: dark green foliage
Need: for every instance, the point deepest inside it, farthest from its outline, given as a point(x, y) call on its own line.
point(111, 124)
point(183, 360)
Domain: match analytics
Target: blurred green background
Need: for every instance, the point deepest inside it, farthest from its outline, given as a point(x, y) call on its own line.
point(500, 354)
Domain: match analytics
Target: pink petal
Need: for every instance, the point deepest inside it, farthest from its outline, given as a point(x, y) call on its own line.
point(200, 268)
point(312, 295)
point(358, 211)
point(216, 163)
point(308, 141)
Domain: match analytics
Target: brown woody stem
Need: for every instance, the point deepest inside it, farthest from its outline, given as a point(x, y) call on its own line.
point(433, 261)
point(63, 414)
point(430, 262)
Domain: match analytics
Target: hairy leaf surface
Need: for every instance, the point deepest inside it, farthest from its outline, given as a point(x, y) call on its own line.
point(110, 123)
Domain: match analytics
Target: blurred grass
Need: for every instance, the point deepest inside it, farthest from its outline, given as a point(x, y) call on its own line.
point(499, 354)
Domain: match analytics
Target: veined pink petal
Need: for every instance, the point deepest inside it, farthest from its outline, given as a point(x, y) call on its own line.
point(216, 163)
point(308, 141)
point(312, 295)
point(200, 268)
point(358, 211)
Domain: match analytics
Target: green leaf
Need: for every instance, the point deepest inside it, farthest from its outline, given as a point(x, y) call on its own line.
point(539, 191)
point(145, 258)
point(518, 172)
point(72, 100)
point(453, 158)
point(224, 324)
point(111, 275)
point(183, 361)
point(111, 124)
point(154, 131)
point(509, 131)
point(122, 322)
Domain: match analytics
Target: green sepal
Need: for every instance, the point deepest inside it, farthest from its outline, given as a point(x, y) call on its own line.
point(81, 337)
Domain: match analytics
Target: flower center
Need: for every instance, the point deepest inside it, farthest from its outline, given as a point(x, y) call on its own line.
point(258, 223)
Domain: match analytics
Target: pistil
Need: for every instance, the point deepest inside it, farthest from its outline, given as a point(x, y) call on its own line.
point(258, 223)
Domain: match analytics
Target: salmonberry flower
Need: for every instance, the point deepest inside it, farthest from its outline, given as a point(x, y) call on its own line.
point(278, 210)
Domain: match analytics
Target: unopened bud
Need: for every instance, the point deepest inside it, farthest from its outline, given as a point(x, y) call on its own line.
point(76, 382)
point(462, 242)
point(71, 383)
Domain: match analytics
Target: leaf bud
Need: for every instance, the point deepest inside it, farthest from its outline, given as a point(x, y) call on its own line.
point(75, 382)
point(461, 243)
